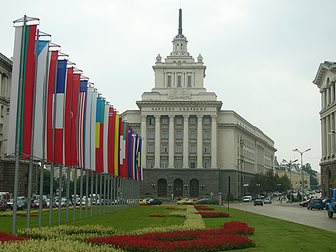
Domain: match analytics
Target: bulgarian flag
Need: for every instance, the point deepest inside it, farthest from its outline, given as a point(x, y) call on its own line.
point(50, 105)
point(22, 91)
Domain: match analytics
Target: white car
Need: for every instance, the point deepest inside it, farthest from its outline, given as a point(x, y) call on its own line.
point(247, 199)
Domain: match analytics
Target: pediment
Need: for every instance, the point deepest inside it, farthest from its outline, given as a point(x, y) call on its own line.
point(325, 72)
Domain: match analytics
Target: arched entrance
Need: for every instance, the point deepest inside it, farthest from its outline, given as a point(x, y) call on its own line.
point(194, 188)
point(162, 188)
point(178, 188)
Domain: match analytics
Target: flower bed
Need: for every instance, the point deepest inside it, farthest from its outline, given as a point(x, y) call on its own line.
point(213, 214)
point(157, 215)
point(4, 237)
point(203, 208)
point(238, 227)
point(194, 240)
point(171, 208)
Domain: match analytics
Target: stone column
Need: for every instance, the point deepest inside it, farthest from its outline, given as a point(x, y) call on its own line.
point(186, 142)
point(327, 135)
point(171, 148)
point(322, 99)
point(144, 140)
point(199, 141)
point(332, 87)
point(323, 137)
point(214, 141)
point(157, 142)
point(328, 96)
point(332, 136)
point(1, 94)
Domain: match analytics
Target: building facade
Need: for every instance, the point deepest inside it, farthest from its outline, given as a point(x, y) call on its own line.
point(192, 147)
point(325, 80)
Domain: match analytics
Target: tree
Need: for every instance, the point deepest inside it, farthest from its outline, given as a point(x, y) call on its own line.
point(46, 182)
point(313, 175)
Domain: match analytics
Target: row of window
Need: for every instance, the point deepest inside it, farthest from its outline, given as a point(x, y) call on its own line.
point(169, 82)
point(178, 120)
point(179, 134)
point(178, 163)
point(179, 148)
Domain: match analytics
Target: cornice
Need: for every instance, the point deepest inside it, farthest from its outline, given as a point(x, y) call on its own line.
point(217, 104)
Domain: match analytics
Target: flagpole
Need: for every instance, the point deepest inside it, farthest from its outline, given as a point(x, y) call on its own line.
point(81, 193)
point(51, 193)
point(67, 194)
point(87, 193)
point(59, 193)
point(74, 202)
point(17, 142)
point(91, 195)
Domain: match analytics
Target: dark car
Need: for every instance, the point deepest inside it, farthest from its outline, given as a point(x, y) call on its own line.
point(154, 202)
point(304, 203)
point(4, 206)
point(259, 202)
point(315, 204)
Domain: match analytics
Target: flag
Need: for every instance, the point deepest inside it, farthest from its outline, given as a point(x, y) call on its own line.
point(40, 88)
point(99, 134)
point(68, 117)
point(105, 137)
point(140, 161)
point(129, 153)
point(50, 106)
point(123, 168)
point(74, 120)
point(110, 150)
point(90, 129)
point(116, 146)
point(59, 111)
point(81, 123)
point(22, 92)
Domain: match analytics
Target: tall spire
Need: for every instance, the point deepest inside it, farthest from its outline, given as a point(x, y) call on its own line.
point(180, 22)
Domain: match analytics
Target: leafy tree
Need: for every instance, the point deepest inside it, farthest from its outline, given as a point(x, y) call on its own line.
point(313, 175)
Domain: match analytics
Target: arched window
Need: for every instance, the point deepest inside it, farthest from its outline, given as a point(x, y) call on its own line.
point(178, 188)
point(162, 188)
point(194, 188)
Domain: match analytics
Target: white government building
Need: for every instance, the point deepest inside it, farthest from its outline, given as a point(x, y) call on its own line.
point(325, 80)
point(191, 146)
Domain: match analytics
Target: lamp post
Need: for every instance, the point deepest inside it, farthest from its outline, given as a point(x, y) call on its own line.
point(290, 176)
point(302, 178)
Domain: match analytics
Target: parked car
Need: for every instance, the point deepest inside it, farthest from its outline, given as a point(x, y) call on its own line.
point(191, 202)
point(154, 202)
point(315, 204)
point(3, 205)
point(325, 201)
point(143, 202)
point(304, 203)
point(259, 202)
point(182, 201)
point(247, 198)
point(267, 200)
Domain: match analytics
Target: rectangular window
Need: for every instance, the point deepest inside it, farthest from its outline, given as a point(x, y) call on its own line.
point(151, 121)
point(193, 135)
point(178, 163)
point(206, 163)
point(164, 120)
point(206, 135)
point(150, 163)
point(192, 164)
point(178, 148)
point(164, 134)
point(164, 163)
point(206, 120)
point(179, 81)
point(206, 148)
point(179, 134)
point(164, 148)
point(192, 148)
point(150, 134)
point(2, 111)
point(192, 120)
point(189, 81)
point(150, 147)
point(179, 120)
point(169, 81)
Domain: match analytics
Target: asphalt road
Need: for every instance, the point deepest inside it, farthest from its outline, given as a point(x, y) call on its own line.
point(291, 212)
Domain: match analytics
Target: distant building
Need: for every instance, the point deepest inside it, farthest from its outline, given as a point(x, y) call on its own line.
point(191, 146)
point(6, 164)
point(325, 80)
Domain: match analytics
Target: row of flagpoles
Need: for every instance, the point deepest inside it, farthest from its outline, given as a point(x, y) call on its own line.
point(57, 117)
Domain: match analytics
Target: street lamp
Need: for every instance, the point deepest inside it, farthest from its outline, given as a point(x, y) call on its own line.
point(290, 175)
point(302, 178)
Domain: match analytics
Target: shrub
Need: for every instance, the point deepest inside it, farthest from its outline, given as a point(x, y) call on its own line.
point(203, 208)
point(238, 227)
point(4, 237)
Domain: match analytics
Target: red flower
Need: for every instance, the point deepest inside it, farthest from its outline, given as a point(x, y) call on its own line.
point(203, 208)
point(238, 227)
point(213, 214)
point(4, 237)
point(195, 240)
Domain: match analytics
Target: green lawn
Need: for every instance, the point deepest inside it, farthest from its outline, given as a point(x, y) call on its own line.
point(270, 234)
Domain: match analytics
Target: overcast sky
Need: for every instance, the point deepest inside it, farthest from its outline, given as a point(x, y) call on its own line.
point(261, 55)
